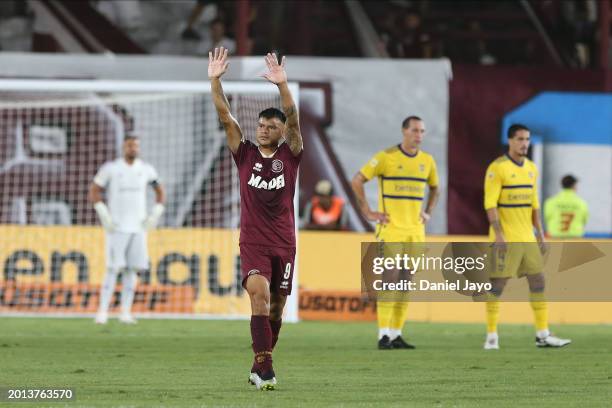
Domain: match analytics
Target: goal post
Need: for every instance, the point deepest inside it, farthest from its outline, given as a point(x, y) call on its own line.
point(55, 134)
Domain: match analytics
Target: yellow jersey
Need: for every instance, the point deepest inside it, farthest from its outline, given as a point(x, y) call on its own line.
point(511, 188)
point(401, 186)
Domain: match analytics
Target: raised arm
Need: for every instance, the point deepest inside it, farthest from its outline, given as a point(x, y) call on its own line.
point(277, 75)
point(217, 65)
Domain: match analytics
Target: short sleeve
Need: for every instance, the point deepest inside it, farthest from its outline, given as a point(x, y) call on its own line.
point(375, 166)
point(240, 154)
point(103, 175)
point(294, 158)
point(432, 180)
point(492, 187)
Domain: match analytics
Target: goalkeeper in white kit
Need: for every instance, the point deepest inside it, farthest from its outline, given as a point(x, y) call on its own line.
point(125, 221)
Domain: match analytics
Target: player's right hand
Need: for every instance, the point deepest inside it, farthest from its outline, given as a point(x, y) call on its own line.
point(378, 217)
point(104, 216)
point(217, 62)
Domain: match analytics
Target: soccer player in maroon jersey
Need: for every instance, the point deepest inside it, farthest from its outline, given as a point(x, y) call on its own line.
point(268, 172)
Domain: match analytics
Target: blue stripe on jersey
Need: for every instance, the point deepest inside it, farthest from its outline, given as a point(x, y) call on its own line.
point(513, 205)
point(519, 186)
point(403, 197)
point(405, 178)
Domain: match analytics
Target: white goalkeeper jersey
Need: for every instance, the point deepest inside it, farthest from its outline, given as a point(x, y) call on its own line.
point(126, 192)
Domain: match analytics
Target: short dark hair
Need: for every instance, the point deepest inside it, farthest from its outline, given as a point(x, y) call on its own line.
point(130, 136)
point(406, 122)
point(273, 113)
point(515, 128)
point(568, 181)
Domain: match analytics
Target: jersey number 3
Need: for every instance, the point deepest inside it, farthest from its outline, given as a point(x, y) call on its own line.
point(566, 220)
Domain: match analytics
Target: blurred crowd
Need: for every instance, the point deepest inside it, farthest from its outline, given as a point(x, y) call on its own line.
point(486, 32)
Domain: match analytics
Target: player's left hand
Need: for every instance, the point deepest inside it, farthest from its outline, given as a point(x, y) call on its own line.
point(151, 221)
point(425, 217)
point(543, 245)
point(276, 72)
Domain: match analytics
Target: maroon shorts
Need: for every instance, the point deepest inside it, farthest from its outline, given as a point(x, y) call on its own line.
point(274, 264)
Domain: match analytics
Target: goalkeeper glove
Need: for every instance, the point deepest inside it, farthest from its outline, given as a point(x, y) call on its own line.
point(153, 218)
point(104, 215)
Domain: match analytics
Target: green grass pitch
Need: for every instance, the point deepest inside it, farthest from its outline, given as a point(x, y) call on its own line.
point(170, 363)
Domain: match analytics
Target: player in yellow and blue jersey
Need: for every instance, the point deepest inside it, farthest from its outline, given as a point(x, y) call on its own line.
point(512, 205)
point(404, 172)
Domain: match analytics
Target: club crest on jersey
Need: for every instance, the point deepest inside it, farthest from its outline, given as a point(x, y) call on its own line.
point(257, 166)
point(421, 168)
point(530, 174)
point(277, 166)
point(275, 184)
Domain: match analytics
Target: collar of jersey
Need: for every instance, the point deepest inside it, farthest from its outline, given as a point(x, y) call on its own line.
point(406, 153)
point(515, 162)
point(136, 160)
point(264, 156)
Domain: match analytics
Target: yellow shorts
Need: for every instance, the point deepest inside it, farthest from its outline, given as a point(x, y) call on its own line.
point(388, 235)
point(398, 242)
point(520, 259)
point(392, 243)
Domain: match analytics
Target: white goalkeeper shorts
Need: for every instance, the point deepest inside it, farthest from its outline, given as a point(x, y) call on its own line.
point(127, 250)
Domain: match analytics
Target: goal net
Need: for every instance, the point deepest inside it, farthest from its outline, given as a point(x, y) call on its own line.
point(55, 135)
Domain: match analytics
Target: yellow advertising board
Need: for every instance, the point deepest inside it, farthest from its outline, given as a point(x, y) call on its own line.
point(330, 264)
point(59, 269)
point(196, 271)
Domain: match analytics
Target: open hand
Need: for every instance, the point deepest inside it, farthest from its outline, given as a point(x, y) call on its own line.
point(217, 62)
point(276, 72)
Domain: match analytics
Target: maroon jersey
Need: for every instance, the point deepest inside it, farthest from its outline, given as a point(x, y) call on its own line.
point(267, 186)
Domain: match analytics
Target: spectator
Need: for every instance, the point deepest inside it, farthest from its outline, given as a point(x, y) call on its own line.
point(217, 38)
point(412, 40)
point(324, 211)
point(566, 213)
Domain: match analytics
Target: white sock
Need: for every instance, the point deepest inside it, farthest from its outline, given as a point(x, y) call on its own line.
point(107, 290)
point(128, 287)
point(492, 336)
point(383, 332)
point(394, 333)
point(541, 334)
